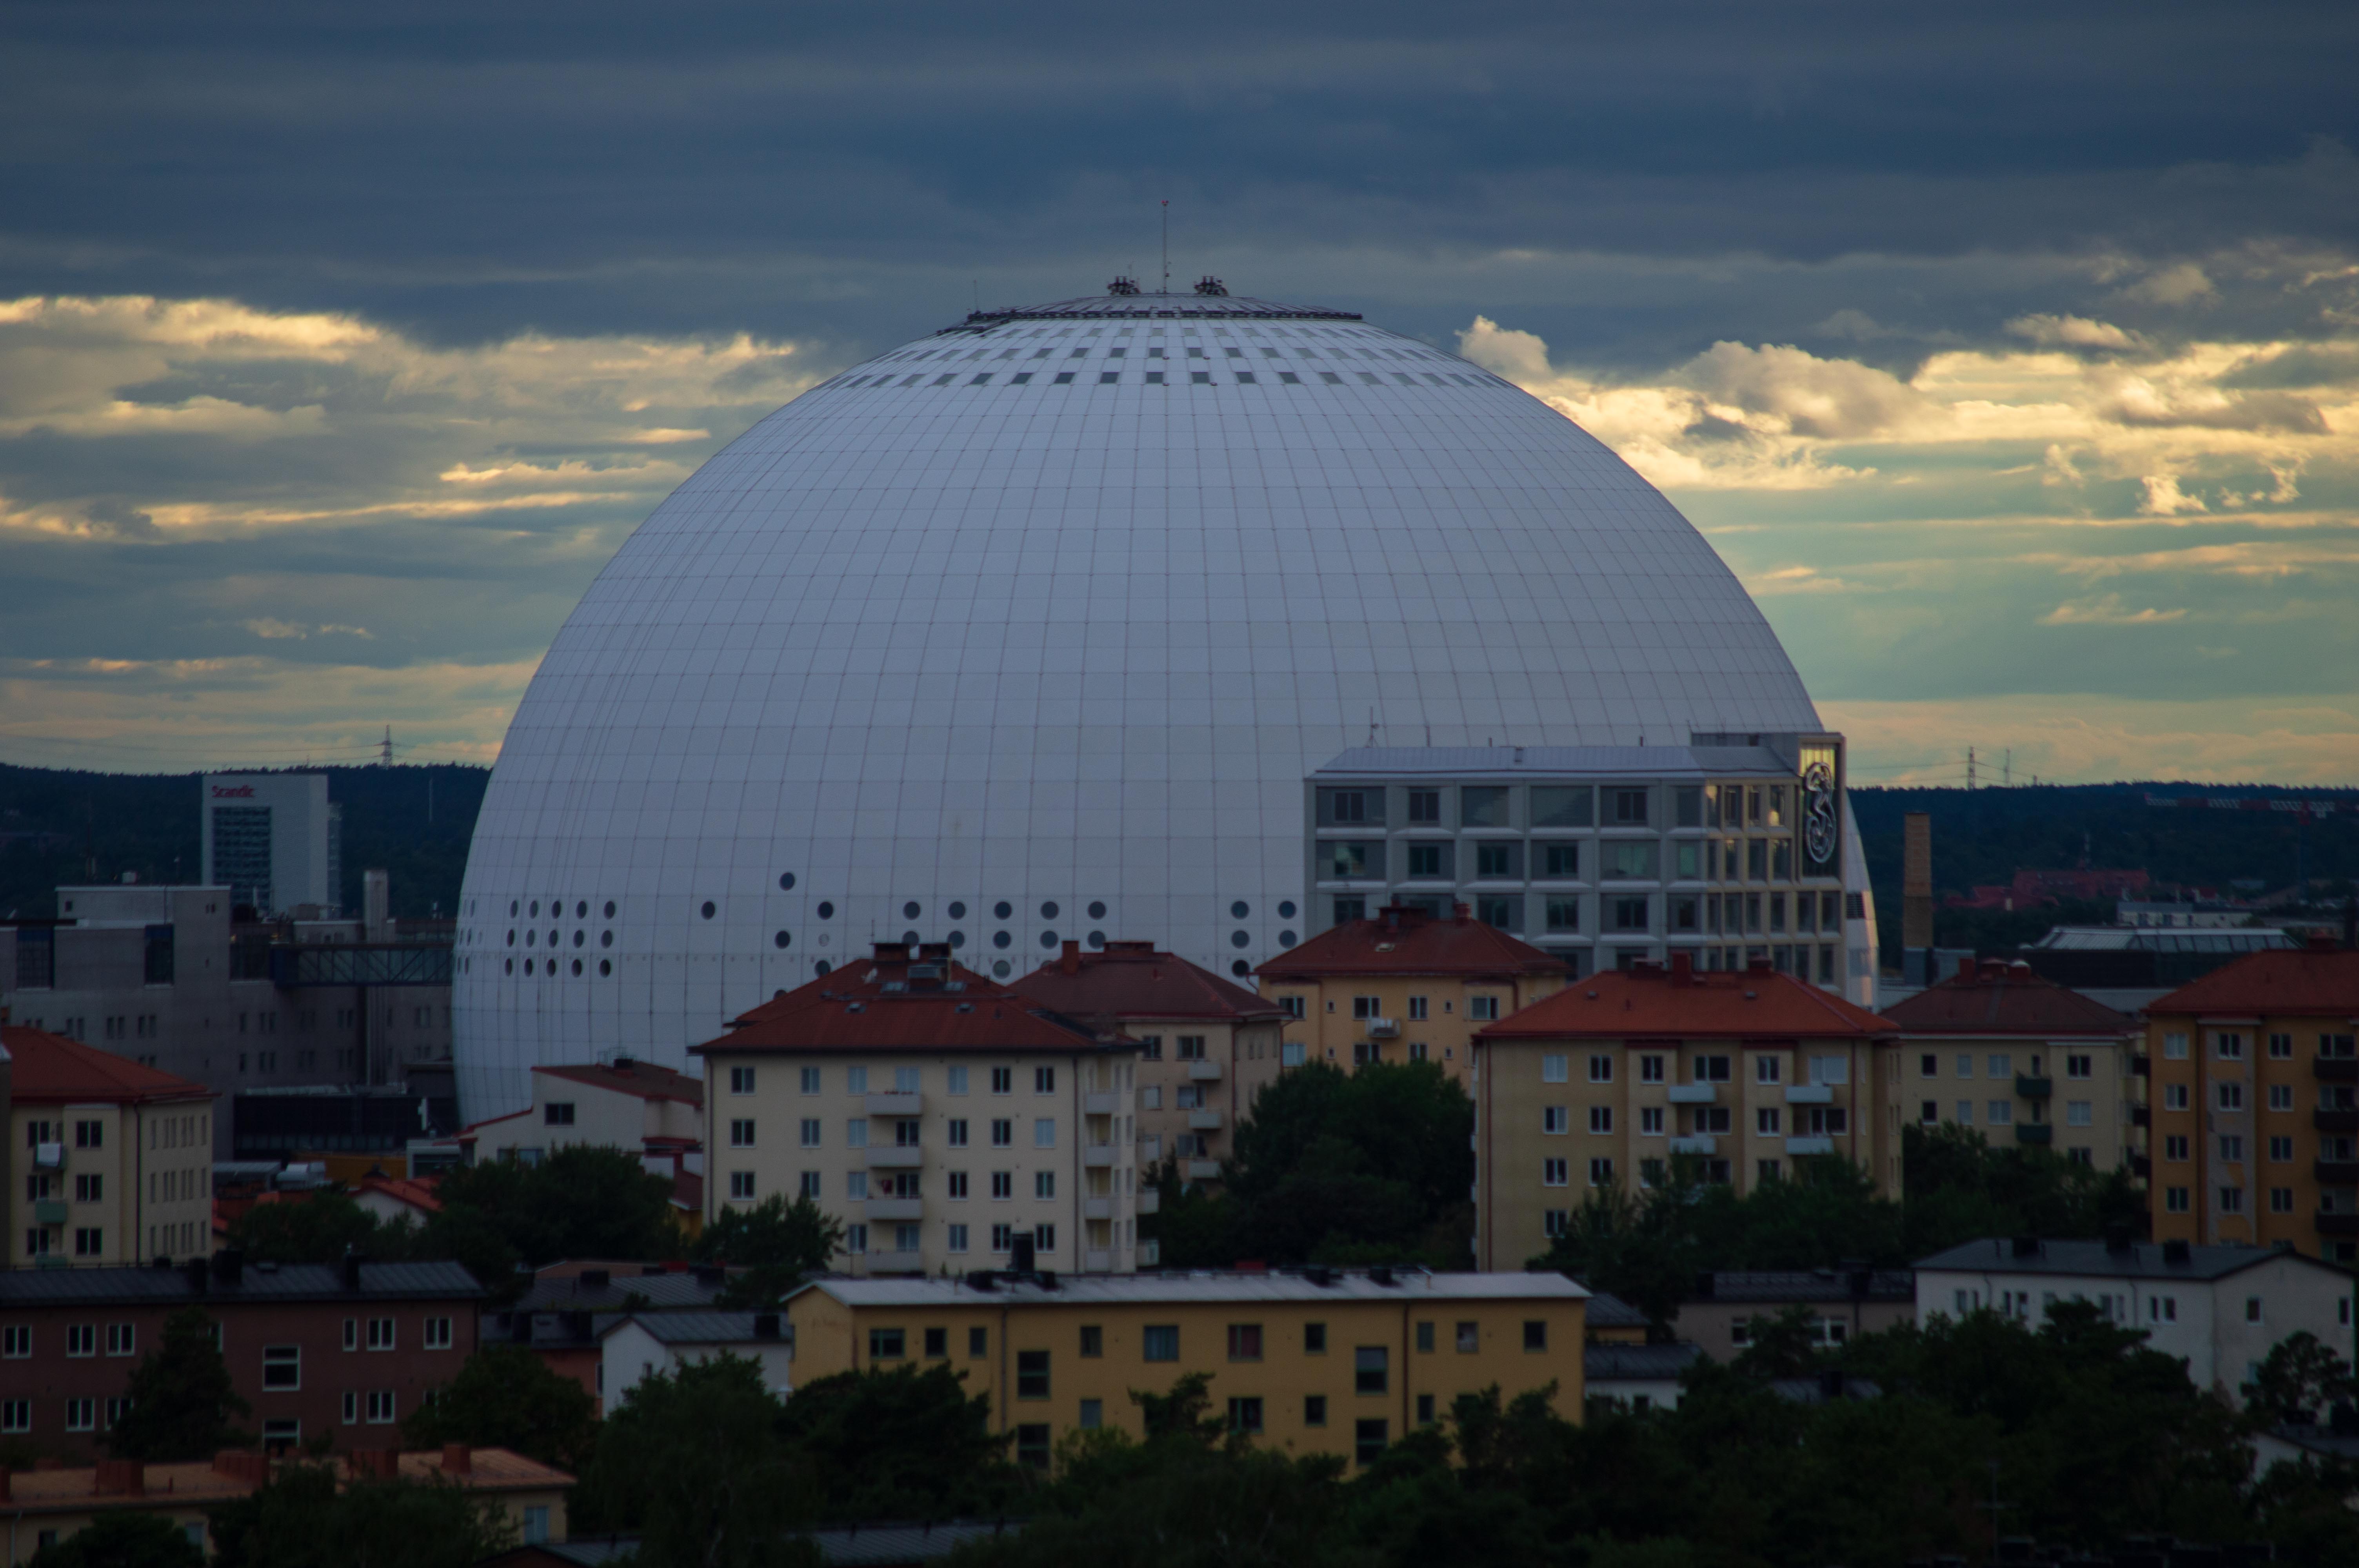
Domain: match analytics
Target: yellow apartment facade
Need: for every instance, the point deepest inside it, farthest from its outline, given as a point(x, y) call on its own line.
point(1404, 985)
point(1607, 1082)
point(1312, 1361)
point(2253, 1091)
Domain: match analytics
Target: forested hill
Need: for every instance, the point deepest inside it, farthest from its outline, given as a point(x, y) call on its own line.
point(60, 827)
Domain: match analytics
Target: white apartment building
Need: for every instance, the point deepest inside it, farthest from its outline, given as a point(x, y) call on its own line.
point(938, 1114)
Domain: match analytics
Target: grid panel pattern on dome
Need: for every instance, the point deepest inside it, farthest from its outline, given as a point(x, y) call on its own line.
point(1052, 617)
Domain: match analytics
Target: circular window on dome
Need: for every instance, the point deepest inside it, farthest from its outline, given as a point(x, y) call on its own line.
point(826, 910)
point(783, 939)
point(1241, 968)
point(958, 910)
point(1285, 938)
point(606, 939)
point(909, 937)
point(822, 967)
point(1048, 939)
point(605, 967)
point(1000, 967)
point(1097, 938)
point(1238, 938)
point(512, 937)
point(1002, 909)
point(1239, 909)
point(511, 965)
point(708, 911)
point(1097, 910)
point(958, 940)
point(535, 906)
point(579, 938)
point(610, 909)
point(786, 881)
point(1001, 939)
point(532, 938)
point(1286, 909)
point(1049, 911)
point(512, 909)
point(582, 910)
point(552, 938)
point(909, 910)
point(577, 966)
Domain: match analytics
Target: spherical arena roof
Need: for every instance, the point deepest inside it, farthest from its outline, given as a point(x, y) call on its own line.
point(1029, 630)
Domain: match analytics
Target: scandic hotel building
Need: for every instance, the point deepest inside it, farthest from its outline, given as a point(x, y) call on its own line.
point(1610, 1079)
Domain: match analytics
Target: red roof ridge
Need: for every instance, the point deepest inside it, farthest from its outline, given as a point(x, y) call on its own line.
point(53, 1069)
point(1751, 1004)
point(2317, 979)
point(1398, 939)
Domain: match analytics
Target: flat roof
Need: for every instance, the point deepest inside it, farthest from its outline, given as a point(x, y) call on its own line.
point(2139, 1260)
point(1178, 1289)
point(256, 1282)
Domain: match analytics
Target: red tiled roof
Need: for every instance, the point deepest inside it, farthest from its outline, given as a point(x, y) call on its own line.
point(1997, 997)
point(53, 1070)
point(628, 1077)
point(2321, 978)
point(1398, 941)
point(1653, 1002)
point(417, 1195)
point(1131, 979)
point(897, 1001)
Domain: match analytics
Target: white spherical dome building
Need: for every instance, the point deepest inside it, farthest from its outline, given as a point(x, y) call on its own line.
point(1030, 630)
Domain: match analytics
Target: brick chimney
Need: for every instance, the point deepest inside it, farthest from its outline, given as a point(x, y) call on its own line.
point(458, 1459)
point(1070, 961)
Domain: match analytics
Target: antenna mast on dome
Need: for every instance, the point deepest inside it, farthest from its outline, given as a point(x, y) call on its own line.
point(1167, 244)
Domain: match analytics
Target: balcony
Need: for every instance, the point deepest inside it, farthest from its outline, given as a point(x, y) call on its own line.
point(1100, 1156)
point(1150, 1200)
point(49, 1156)
point(1097, 1208)
point(1800, 1146)
point(2029, 1087)
point(49, 1211)
point(2038, 1134)
point(1204, 1122)
point(896, 1156)
point(2336, 1173)
point(1697, 1145)
point(897, 1105)
point(2336, 1121)
point(1809, 1093)
point(2335, 1069)
point(2338, 1224)
point(2140, 1166)
point(897, 1262)
point(2141, 1117)
point(895, 1208)
point(1200, 1170)
point(1693, 1094)
point(1097, 1262)
point(2142, 1065)
point(1106, 1104)
point(1204, 1072)
point(1383, 1028)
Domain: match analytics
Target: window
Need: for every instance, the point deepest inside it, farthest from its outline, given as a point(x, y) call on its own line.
point(2280, 1200)
point(558, 1113)
point(282, 1366)
point(957, 1241)
point(2281, 1150)
point(2174, 1200)
point(1044, 1080)
point(1371, 1369)
point(1314, 1410)
point(1483, 1009)
point(1494, 860)
point(1003, 1080)
point(1554, 1119)
point(2232, 1149)
point(2229, 1046)
point(1245, 1341)
point(1556, 1222)
point(1766, 1121)
point(1601, 1069)
point(1368, 1439)
point(1245, 1415)
point(1483, 805)
point(1650, 1121)
point(2080, 1113)
point(1314, 1339)
point(1092, 1341)
point(1553, 1173)
point(2232, 1200)
point(2281, 1047)
point(2174, 1097)
point(1044, 1132)
point(1711, 1069)
point(888, 1344)
point(2280, 1097)
point(90, 1188)
point(90, 1241)
point(740, 1133)
point(2162, 1309)
point(1601, 1119)
point(958, 1133)
point(1630, 915)
point(82, 1415)
point(1561, 860)
point(535, 1525)
point(17, 1341)
point(1601, 1173)
point(1003, 1134)
point(2080, 1066)
point(1651, 1069)
point(1536, 1334)
point(2232, 1097)
point(2174, 1047)
point(1928, 1065)
point(810, 1185)
point(2174, 1146)
point(1044, 1184)
point(1159, 1342)
point(1553, 1069)
point(89, 1135)
point(437, 1334)
point(15, 1415)
point(122, 1339)
point(1003, 1184)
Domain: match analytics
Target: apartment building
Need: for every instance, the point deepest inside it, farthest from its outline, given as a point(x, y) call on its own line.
point(113, 1162)
point(2253, 1089)
point(616, 1104)
point(1722, 1313)
point(1730, 848)
point(316, 1349)
point(938, 1114)
point(1313, 1361)
point(1611, 1080)
point(1405, 985)
point(2221, 1309)
point(2021, 1060)
point(1206, 1047)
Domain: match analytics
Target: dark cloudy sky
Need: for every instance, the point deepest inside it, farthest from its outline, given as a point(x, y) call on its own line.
point(2010, 353)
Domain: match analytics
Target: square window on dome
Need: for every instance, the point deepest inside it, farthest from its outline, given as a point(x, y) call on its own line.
point(1288, 378)
point(983, 380)
point(1331, 378)
point(1154, 378)
point(1064, 377)
point(1107, 378)
point(1245, 378)
point(1199, 377)
point(946, 380)
point(1020, 378)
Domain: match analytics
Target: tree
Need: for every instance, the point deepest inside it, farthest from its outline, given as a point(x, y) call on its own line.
point(776, 1242)
point(2298, 1382)
point(1181, 1413)
point(304, 1519)
point(318, 1229)
point(582, 1201)
point(693, 1461)
point(899, 1443)
point(507, 1397)
point(181, 1398)
point(118, 1539)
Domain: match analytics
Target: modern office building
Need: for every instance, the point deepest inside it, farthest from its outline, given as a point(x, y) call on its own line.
point(1309, 1361)
point(1615, 1078)
point(942, 1117)
point(275, 840)
point(1030, 630)
point(2021, 1060)
point(1729, 848)
point(1206, 1047)
point(2253, 1088)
